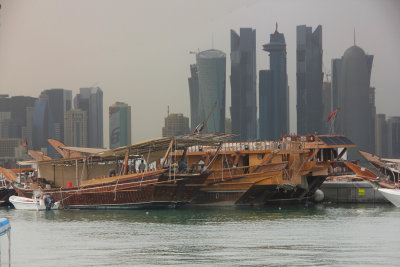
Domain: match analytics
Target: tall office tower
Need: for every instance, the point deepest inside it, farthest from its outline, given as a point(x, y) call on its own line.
point(274, 91)
point(75, 128)
point(243, 84)
point(175, 124)
point(394, 137)
point(211, 70)
point(309, 81)
point(357, 101)
point(120, 125)
point(60, 101)
point(91, 101)
point(381, 135)
point(194, 96)
point(43, 126)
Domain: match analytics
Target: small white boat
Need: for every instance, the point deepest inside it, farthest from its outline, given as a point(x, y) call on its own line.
point(393, 195)
point(38, 202)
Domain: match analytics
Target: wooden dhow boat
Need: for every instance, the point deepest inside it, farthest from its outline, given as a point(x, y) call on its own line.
point(114, 179)
point(388, 181)
point(389, 168)
point(267, 172)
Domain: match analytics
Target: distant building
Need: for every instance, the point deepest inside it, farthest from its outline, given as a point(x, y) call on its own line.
point(194, 96)
point(91, 101)
point(43, 125)
point(327, 102)
point(381, 135)
point(11, 150)
point(59, 101)
point(5, 119)
point(228, 126)
point(211, 70)
point(120, 125)
point(357, 101)
point(75, 128)
point(309, 80)
point(27, 130)
point(243, 84)
point(274, 91)
point(336, 96)
point(16, 107)
point(394, 137)
point(175, 124)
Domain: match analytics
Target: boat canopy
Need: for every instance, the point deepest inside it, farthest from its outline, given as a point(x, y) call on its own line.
point(336, 140)
point(162, 144)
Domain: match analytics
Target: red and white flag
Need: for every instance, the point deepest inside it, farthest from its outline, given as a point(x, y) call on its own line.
point(333, 114)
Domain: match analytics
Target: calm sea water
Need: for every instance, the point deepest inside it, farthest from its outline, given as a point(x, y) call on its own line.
point(287, 236)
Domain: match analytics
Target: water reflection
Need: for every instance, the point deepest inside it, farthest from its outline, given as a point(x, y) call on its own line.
point(200, 215)
point(291, 235)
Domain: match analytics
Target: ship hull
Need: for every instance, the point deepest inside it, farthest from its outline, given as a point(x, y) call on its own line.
point(153, 190)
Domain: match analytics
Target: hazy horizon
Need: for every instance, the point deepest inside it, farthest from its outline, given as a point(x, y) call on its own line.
point(138, 51)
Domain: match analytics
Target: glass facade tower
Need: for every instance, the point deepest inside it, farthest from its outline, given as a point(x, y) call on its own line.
point(211, 66)
point(274, 91)
point(120, 125)
point(91, 101)
point(357, 100)
point(309, 81)
point(243, 84)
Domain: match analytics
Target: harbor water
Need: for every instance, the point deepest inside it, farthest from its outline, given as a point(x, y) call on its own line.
point(315, 235)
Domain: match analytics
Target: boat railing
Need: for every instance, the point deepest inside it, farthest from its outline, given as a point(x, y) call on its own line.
point(250, 146)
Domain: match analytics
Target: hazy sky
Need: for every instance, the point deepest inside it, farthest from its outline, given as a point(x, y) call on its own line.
point(138, 51)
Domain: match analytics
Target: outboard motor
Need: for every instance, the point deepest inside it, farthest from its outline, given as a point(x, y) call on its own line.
point(48, 202)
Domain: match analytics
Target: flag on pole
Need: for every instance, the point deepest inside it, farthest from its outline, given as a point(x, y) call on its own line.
point(25, 143)
point(333, 114)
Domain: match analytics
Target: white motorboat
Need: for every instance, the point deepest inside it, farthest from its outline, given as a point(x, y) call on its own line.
point(38, 202)
point(393, 195)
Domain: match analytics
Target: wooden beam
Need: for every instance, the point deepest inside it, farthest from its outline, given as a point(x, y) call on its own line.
point(128, 151)
point(314, 153)
point(167, 153)
point(214, 158)
point(342, 153)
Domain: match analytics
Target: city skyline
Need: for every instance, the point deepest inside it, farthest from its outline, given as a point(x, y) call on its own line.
point(107, 49)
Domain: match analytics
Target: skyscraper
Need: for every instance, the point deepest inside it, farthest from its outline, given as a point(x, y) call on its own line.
point(357, 100)
point(327, 100)
point(75, 128)
point(91, 101)
point(59, 101)
point(274, 91)
point(43, 126)
point(243, 84)
point(211, 70)
point(381, 135)
point(309, 80)
point(120, 125)
point(394, 137)
point(175, 124)
point(194, 96)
